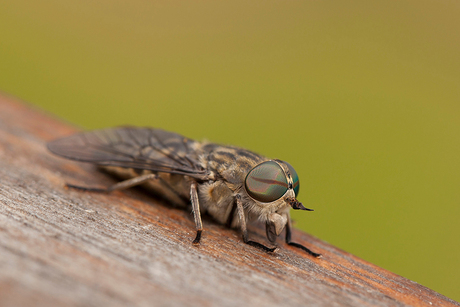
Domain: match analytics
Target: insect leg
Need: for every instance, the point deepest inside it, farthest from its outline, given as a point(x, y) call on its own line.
point(196, 212)
point(118, 186)
point(288, 240)
point(231, 216)
point(244, 229)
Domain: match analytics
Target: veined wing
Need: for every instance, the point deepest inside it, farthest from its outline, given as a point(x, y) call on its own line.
point(131, 147)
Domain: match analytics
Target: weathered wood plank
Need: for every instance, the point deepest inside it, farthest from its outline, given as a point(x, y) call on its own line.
point(66, 247)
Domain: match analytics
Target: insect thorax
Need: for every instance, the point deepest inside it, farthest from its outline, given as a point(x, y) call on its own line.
point(230, 165)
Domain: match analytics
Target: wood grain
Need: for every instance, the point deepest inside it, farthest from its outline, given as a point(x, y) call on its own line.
point(70, 248)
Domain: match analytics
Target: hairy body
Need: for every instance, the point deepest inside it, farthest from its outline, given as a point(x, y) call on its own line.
point(231, 184)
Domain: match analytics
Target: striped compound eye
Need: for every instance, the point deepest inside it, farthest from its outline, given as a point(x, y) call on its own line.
point(266, 182)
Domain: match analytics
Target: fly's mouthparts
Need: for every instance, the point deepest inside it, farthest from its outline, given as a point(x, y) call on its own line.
point(295, 204)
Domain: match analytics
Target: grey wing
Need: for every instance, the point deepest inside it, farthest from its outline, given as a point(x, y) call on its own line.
point(131, 147)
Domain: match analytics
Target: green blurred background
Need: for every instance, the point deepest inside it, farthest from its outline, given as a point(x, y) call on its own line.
point(362, 98)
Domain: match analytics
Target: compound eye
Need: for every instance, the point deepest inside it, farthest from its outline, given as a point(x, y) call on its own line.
point(266, 182)
point(295, 178)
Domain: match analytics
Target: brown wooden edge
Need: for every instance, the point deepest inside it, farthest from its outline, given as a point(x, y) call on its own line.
point(65, 247)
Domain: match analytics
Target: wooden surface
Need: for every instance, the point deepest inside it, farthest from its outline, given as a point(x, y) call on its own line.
point(72, 248)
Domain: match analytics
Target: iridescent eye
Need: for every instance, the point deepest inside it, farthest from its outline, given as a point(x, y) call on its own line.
point(295, 179)
point(266, 182)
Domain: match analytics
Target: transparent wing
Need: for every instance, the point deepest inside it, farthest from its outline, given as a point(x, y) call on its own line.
point(140, 148)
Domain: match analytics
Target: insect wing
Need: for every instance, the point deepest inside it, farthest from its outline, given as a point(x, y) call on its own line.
point(131, 147)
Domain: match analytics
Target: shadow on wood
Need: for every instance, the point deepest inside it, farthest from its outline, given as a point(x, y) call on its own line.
point(66, 247)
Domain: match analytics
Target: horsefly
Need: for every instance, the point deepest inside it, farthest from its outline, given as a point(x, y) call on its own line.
point(231, 184)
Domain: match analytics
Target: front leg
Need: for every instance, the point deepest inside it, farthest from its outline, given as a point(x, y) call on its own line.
point(288, 240)
point(244, 229)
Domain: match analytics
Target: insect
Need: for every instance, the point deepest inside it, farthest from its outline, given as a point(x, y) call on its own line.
point(231, 184)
